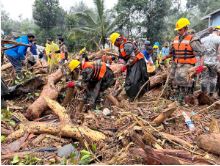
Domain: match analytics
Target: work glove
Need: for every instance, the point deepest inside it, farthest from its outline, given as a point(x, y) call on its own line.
point(200, 69)
point(123, 69)
point(71, 84)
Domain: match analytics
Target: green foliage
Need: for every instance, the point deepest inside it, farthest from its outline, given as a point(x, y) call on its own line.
point(15, 159)
point(45, 13)
point(205, 6)
point(49, 16)
point(148, 15)
point(94, 25)
point(63, 161)
point(94, 147)
point(3, 138)
point(85, 157)
point(5, 114)
point(27, 160)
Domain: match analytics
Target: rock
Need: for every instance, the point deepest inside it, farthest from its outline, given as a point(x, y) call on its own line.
point(66, 150)
point(106, 112)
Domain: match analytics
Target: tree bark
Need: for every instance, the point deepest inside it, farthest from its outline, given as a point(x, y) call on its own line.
point(63, 128)
point(209, 142)
point(49, 90)
point(157, 80)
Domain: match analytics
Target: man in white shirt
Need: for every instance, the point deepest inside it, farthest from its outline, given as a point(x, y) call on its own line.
point(212, 61)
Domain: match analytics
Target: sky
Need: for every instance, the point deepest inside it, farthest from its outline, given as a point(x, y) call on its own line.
point(15, 8)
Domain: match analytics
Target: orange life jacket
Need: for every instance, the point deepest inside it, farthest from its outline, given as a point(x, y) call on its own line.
point(137, 53)
point(183, 52)
point(99, 69)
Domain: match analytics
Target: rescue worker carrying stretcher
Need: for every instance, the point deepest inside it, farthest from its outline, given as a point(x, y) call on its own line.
point(135, 65)
point(95, 75)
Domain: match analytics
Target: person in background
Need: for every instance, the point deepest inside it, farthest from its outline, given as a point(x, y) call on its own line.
point(165, 52)
point(212, 61)
point(52, 53)
point(33, 49)
point(16, 55)
point(63, 50)
point(156, 55)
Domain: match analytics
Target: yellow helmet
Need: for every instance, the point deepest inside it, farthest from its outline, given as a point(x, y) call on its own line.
point(217, 27)
point(181, 23)
point(82, 51)
point(73, 64)
point(155, 46)
point(113, 37)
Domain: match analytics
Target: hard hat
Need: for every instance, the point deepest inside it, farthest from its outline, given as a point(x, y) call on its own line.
point(73, 64)
point(217, 27)
point(155, 46)
point(113, 37)
point(82, 51)
point(181, 23)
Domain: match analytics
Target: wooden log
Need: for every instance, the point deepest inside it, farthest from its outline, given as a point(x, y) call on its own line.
point(69, 96)
point(114, 101)
point(165, 156)
point(176, 139)
point(209, 142)
point(64, 128)
point(157, 80)
point(6, 66)
point(49, 90)
point(214, 126)
point(165, 114)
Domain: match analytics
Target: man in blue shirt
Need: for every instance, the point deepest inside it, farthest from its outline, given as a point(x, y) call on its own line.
point(17, 54)
point(165, 52)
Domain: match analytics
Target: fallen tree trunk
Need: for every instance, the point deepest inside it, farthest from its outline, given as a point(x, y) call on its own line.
point(64, 128)
point(209, 142)
point(49, 90)
point(157, 80)
point(164, 156)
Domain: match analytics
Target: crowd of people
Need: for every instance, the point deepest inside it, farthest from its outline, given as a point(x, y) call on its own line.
point(186, 51)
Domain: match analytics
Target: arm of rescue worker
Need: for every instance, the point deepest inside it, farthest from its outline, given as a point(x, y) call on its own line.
point(129, 50)
point(198, 48)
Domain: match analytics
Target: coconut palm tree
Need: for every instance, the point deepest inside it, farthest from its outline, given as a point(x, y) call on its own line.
point(94, 24)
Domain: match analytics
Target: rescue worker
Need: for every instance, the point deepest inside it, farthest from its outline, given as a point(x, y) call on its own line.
point(96, 76)
point(63, 50)
point(136, 75)
point(16, 55)
point(156, 55)
point(83, 53)
point(52, 53)
point(183, 51)
point(212, 61)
